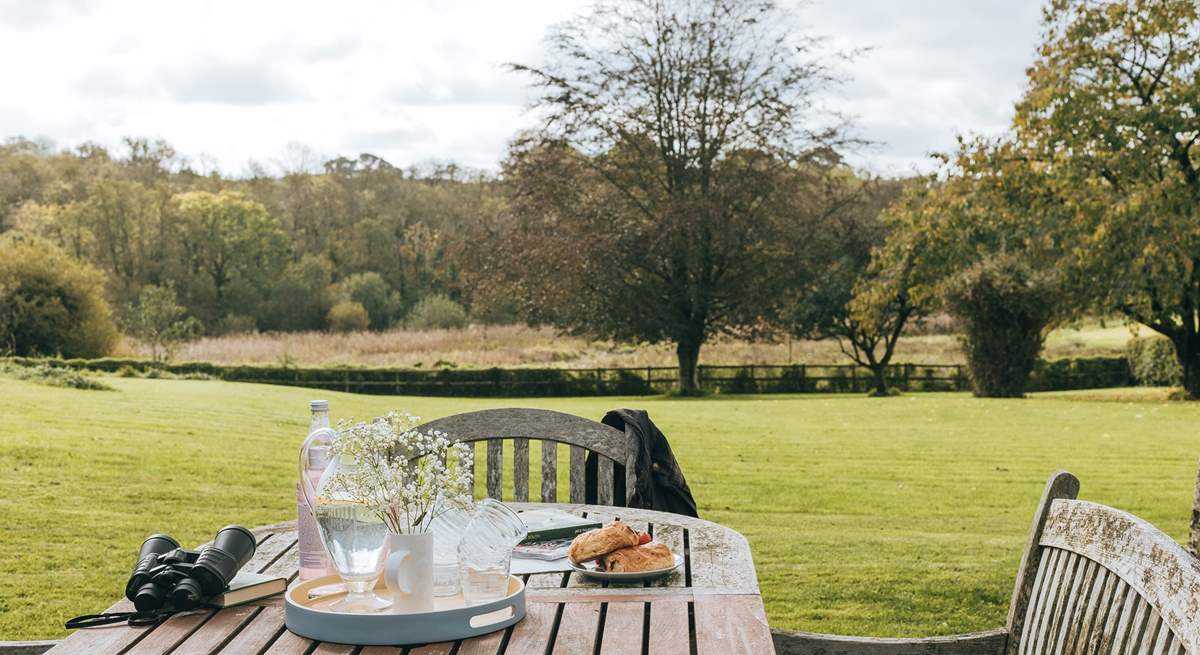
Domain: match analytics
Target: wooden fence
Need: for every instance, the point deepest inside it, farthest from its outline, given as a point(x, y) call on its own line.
point(629, 381)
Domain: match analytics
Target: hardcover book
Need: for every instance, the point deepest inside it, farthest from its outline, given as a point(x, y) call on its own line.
point(246, 587)
point(555, 524)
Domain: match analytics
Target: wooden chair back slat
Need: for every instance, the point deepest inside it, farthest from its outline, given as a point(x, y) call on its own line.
point(549, 472)
point(578, 475)
point(550, 428)
point(1154, 566)
point(495, 468)
point(1108, 582)
point(521, 469)
point(1060, 485)
point(604, 481)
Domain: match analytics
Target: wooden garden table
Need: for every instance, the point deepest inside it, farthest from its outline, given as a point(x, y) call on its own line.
point(711, 605)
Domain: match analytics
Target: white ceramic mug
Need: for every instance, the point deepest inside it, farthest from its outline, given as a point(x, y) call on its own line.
point(408, 572)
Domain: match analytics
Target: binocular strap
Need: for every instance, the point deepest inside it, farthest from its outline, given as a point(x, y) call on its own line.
point(135, 619)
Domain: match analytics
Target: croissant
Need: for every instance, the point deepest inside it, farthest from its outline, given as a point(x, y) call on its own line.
point(647, 557)
point(594, 543)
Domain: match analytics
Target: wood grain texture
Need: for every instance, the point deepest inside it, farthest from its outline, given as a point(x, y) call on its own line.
point(1080, 607)
point(577, 629)
point(488, 644)
point(217, 630)
point(171, 633)
point(578, 482)
point(533, 424)
point(604, 481)
point(1194, 537)
point(991, 642)
point(672, 537)
point(623, 628)
point(549, 471)
point(495, 468)
point(669, 631)
point(532, 635)
point(259, 632)
point(521, 470)
point(731, 624)
point(720, 558)
point(1060, 485)
point(289, 643)
point(1149, 561)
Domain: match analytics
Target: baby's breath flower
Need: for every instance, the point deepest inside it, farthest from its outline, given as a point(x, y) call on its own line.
point(404, 475)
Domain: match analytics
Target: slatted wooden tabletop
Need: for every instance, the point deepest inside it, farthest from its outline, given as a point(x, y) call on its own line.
point(711, 605)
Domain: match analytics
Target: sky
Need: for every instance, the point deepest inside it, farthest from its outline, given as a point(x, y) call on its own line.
point(289, 84)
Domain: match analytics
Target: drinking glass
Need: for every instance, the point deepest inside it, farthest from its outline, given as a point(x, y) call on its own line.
point(485, 551)
point(447, 528)
point(356, 539)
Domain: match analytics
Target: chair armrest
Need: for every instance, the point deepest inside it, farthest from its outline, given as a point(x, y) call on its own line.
point(991, 642)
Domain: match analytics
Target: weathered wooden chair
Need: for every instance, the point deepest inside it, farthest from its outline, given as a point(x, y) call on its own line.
point(1093, 579)
point(495, 426)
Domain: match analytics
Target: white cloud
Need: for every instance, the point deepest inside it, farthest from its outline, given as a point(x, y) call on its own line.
point(413, 81)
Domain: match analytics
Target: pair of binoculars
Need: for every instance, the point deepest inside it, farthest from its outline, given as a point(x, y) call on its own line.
point(171, 577)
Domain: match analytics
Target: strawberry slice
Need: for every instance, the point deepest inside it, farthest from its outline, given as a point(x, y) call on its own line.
point(643, 538)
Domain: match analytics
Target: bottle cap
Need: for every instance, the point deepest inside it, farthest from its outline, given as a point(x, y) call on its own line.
point(319, 406)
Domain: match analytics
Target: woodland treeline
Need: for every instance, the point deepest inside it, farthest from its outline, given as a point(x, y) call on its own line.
point(265, 252)
point(687, 182)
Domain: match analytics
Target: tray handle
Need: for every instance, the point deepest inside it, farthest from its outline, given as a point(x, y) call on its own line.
point(484, 619)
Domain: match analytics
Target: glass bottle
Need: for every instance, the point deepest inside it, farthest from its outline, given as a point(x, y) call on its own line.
point(314, 560)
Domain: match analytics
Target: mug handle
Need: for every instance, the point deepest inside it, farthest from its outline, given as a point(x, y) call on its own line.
point(395, 575)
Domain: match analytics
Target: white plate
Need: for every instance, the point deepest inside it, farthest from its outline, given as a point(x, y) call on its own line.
point(589, 569)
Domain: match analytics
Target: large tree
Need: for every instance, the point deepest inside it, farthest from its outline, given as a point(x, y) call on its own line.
point(1111, 116)
point(853, 301)
point(981, 239)
point(688, 129)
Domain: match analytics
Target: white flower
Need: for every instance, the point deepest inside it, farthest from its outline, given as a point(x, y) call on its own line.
point(406, 476)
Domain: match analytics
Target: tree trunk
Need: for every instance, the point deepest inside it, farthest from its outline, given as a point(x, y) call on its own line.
point(689, 372)
point(879, 377)
point(1187, 350)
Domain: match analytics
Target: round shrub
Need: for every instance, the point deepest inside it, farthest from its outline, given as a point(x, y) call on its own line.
point(1153, 362)
point(348, 316)
point(51, 304)
point(1005, 310)
point(437, 312)
point(375, 295)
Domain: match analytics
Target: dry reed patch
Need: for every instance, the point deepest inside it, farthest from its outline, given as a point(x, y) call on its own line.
point(515, 346)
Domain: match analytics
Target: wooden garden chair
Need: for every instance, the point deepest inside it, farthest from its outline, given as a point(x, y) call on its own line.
point(495, 426)
point(1093, 579)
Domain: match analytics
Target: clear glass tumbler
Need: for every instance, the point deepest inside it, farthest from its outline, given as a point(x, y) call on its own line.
point(485, 551)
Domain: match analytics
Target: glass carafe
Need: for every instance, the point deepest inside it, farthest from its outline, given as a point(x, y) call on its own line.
point(354, 535)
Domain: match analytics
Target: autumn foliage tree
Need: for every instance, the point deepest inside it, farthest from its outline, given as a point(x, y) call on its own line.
point(1110, 113)
point(853, 301)
point(664, 200)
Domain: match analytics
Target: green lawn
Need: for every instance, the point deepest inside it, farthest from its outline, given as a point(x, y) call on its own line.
point(896, 516)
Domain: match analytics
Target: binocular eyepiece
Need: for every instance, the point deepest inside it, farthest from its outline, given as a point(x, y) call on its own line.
point(167, 575)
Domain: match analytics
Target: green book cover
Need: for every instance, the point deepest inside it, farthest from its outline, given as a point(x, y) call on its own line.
point(551, 524)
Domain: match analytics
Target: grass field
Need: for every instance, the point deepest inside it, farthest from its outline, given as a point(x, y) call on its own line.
point(895, 516)
point(514, 345)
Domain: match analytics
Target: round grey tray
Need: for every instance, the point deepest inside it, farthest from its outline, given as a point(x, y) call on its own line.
point(451, 619)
